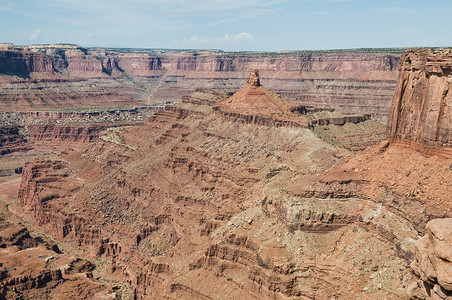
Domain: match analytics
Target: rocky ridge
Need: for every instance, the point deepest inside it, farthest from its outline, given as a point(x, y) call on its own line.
point(202, 192)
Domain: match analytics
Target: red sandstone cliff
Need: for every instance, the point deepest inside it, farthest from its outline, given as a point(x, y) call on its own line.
point(421, 116)
point(11, 139)
point(421, 110)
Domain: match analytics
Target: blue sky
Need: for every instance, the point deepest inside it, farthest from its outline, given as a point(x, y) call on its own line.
point(233, 25)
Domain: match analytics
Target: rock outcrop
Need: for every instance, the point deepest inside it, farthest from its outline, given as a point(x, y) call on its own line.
point(20, 129)
point(34, 267)
point(12, 139)
point(434, 262)
point(256, 104)
point(410, 173)
point(80, 133)
point(421, 110)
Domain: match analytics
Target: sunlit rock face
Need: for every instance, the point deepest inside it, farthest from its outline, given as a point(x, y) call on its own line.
point(421, 111)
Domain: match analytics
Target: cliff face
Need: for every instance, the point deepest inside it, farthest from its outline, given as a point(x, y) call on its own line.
point(12, 139)
point(65, 75)
point(21, 131)
point(421, 110)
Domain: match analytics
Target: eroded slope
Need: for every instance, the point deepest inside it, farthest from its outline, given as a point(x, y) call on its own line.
point(195, 205)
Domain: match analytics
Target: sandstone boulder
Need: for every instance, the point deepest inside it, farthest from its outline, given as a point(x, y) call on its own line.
point(434, 262)
point(440, 237)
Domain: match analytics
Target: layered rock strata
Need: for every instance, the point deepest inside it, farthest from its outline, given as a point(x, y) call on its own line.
point(21, 129)
point(421, 109)
point(12, 139)
point(33, 267)
point(256, 104)
point(69, 76)
point(410, 173)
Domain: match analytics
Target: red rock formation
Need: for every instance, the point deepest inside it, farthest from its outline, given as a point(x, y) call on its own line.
point(16, 235)
point(434, 262)
point(343, 80)
point(31, 268)
point(28, 130)
point(23, 64)
point(140, 65)
point(421, 109)
point(86, 67)
point(51, 133)
point(256, 104)
point(11, 139)
point(410, 173)
point(21, 283)
point(71, 133)
point(43, 184)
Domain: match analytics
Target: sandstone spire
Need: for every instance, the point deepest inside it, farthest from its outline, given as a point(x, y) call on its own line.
point(253, 78)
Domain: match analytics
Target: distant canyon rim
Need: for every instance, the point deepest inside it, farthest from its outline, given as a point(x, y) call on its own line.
point(202, 174)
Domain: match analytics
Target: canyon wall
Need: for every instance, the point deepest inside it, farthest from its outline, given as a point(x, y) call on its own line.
point(421, 110)
point(21, 131)
point(56, 76)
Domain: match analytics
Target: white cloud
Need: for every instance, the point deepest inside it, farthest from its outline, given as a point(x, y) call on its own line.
point(247, 14)
point(35, 34)
point(230, 38)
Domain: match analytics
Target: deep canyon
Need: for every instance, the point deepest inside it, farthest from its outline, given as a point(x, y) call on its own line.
point(160, 174)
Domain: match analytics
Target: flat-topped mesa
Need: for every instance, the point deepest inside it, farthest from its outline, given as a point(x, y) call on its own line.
point(255, 104)
point(421, 111)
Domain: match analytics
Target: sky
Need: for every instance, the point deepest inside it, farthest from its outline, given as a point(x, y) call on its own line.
point(230, 25)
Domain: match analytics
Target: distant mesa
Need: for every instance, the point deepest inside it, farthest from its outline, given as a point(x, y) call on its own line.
point(255, 104)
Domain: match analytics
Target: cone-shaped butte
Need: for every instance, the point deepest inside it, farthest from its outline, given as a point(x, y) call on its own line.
point(257, 104)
